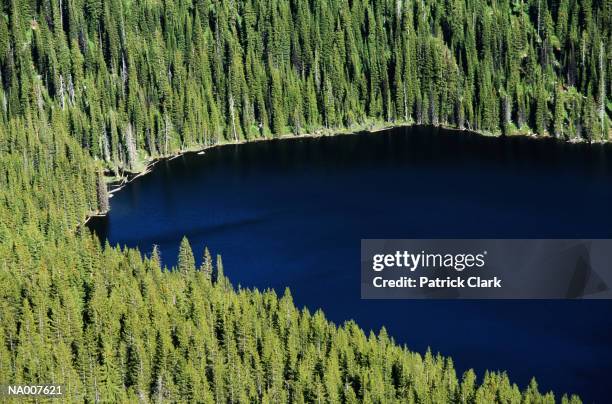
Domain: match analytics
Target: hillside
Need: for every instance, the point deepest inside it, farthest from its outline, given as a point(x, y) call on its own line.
point(88, 86)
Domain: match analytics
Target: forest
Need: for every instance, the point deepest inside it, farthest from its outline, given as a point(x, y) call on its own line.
point(91, 89)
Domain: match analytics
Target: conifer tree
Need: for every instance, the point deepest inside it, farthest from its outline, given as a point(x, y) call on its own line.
point(186, 261)
point(102, 193)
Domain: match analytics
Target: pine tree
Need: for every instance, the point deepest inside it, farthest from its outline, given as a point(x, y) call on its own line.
point(186, 261)
point(103, 204)
point(207, 266)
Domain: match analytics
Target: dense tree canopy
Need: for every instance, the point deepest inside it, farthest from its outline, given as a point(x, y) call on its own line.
point(94, 85)
point(113, 327)
point(128, 78)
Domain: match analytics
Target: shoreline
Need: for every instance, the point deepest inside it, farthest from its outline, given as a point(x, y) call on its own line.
point(120, 182)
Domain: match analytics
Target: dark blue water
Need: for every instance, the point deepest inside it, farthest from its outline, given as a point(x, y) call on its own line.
point(292, 213)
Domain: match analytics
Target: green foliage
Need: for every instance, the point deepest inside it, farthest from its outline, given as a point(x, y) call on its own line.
point(186, 260)
point(139, 79)
point(91, 86)
point(113, 326)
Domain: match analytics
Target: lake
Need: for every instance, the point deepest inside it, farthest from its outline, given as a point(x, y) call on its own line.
point(291, 213)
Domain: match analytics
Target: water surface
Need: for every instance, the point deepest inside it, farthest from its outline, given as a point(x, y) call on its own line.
point(292, 213)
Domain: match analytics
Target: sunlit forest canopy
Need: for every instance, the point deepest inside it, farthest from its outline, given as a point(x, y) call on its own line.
point(89, 87)
point(127, 77)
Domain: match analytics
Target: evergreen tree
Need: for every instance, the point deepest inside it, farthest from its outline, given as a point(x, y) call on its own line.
point(186, 261)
